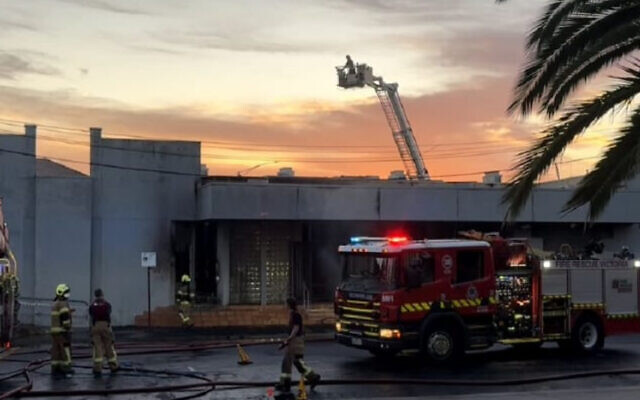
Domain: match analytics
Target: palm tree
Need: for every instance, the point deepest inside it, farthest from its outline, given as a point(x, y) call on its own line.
point(573, 42)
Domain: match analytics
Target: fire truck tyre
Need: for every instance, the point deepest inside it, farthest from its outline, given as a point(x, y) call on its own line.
point(383, 354)
point(587, 335)
point(442, 342)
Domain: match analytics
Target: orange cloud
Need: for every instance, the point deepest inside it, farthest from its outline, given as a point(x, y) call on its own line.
point(460, 131)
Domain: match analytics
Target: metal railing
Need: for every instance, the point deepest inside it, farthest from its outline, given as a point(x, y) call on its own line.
point(38, 308)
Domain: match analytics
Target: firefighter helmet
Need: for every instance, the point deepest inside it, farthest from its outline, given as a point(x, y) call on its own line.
point(62, 290)
point(185, 278)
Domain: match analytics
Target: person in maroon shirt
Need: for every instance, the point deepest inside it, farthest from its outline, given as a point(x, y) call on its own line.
point(294, 353)
point(101, 334)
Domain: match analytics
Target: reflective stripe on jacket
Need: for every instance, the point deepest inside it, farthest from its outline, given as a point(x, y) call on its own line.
point(60, 316)
point(184, 293)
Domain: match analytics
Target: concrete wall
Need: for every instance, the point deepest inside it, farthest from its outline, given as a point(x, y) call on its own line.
point(63, 242)
point(385, 201)
point(133, 206)
point(17, 188)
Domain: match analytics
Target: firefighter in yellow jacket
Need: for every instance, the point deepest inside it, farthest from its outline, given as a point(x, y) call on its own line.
point(184, 298)
point(61, 332)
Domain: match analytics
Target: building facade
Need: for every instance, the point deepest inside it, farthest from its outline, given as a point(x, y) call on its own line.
point(245, 241)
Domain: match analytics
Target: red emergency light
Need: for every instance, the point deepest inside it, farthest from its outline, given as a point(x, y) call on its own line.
point(397, 239)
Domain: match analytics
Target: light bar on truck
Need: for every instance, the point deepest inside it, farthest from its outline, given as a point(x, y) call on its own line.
point(360, 239)
point(390, 239)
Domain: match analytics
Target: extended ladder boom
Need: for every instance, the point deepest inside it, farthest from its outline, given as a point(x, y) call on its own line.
point(396, 116)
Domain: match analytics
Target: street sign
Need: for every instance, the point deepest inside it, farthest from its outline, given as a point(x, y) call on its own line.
point(148, 259)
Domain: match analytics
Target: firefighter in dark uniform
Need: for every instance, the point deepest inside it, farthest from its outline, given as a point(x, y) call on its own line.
point(349, 66)
point(61, 332)
point(294, 352)
point(101, 334)
point(184, 298)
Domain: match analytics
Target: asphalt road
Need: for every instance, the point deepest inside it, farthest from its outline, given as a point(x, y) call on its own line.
point(337, 362)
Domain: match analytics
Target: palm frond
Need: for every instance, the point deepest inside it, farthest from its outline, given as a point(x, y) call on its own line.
point(619, 163)
point(547, 25)
point(534, 162)
point(585, 67)
point(589, 29)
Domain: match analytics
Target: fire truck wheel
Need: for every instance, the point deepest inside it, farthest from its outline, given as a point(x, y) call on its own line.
point(442, 343)
point(587, 335)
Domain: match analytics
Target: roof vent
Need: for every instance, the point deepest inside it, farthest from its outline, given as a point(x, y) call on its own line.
point(492, 178)
point(397, 175)
point(286, 172)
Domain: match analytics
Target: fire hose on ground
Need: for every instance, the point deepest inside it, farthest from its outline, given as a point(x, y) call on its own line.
point(207, 385)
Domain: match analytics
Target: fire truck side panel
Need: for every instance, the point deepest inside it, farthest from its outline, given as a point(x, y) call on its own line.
point(601, 289)
point(622, 298)
point(555, 282)
point(471, 297)
point(621, 291)
point(586, 286)
point(620, 325)
point(466, 298)
point(417, 303)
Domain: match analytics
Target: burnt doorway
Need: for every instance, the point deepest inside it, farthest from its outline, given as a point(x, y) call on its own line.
point(181, 235)
point(206, 263)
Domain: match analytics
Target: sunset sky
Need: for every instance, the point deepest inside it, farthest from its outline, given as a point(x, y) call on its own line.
point(255, 80)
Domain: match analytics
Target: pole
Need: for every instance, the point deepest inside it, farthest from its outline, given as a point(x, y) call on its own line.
point(149, 298)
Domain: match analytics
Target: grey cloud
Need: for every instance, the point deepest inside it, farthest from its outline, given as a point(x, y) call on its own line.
point(153, 49)
point(72, 109)
point(12, 65)
point(489, 50)
point(105, 5)
point(425, 12)
point(8, 24)
point(394, 6)
point(232, 41)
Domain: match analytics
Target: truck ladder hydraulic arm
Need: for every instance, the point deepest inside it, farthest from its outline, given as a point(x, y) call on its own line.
point(393, 109)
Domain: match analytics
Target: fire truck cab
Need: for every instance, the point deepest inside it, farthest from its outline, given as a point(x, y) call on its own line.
point(443, 297)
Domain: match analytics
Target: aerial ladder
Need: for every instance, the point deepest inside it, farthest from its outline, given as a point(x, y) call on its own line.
point(8, 285)
point(359, 75)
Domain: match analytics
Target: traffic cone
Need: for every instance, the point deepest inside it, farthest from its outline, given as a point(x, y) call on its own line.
point(244, 357)
point(270, 393)
point(302, 390)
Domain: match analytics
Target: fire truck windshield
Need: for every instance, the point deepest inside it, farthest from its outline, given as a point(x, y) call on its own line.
point(369, 272)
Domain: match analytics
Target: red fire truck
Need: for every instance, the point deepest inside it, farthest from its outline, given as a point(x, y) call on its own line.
point(443, 297)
